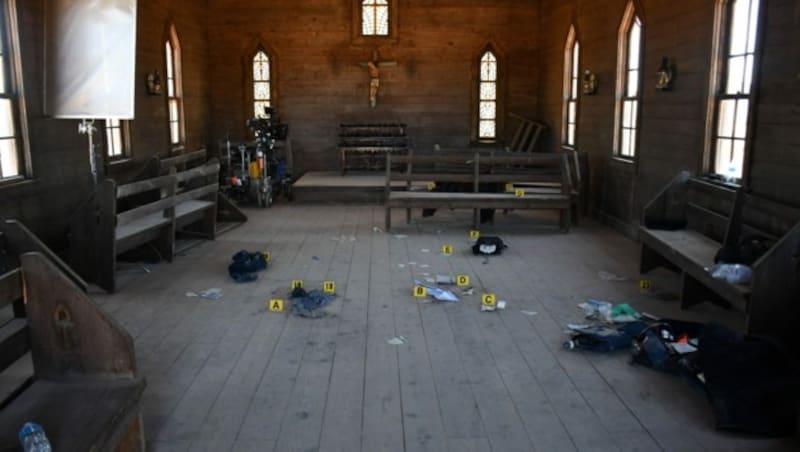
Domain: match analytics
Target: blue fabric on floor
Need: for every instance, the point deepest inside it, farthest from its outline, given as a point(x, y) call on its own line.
point(307, 304)
point(245, 265)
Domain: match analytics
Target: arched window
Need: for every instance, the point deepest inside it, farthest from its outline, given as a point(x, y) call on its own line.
point(736, 30)
point(262, 83)
point(14, 161)
point(375, 17)
point(172, 53)
point(629, 75)
point(487, 96)
point(571, 82)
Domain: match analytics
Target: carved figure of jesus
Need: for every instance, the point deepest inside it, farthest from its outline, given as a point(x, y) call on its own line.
point(373, 68)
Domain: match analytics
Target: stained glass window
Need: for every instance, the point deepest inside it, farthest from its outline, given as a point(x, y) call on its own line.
point(733, 98)
point(375, 18)
point(487, 98)
point(261, 83)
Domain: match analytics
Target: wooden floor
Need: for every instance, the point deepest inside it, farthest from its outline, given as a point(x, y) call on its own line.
point(227, 375)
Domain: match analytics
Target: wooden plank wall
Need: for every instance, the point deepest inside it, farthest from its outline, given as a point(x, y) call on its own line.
point(672, 123)
point(320, 84)
point(60, 154)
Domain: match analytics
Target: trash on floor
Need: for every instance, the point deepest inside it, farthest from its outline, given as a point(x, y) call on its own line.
point(245, 265)
point(445, 280)
point(468, 291)
point(377, 229)
point(398, 340)
point(608, 312)
point(191, 295)
point(211, 294)
point(307, 303)
point(530, 313)
point(425, 250)
point(400, 236)
point(607, 276)
point(437, 293)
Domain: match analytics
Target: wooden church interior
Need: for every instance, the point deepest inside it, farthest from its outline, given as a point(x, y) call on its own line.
point(614, 146)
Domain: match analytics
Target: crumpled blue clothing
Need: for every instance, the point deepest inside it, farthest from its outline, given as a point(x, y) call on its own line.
point(307, 304)
point(245, 265)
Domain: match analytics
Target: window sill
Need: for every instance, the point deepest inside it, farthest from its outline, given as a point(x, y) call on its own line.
point(17, 183)
point(718, 179)
point(119, 162)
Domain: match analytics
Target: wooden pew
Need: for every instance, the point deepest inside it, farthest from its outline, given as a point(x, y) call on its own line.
point(101, 232)
point(712, 214)
point(85, 391)
point(476, 170)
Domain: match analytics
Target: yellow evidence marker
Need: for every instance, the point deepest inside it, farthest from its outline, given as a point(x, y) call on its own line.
point(297, 284)
point(488, 302)
point(447, 250)
point(509, 188)
point(474, 234)
point(420, 292)
point(267, 256)
point(276, 305)
point(519, 193)
point(329, 287)
point(462, 280)
point(431, 186)
point(645, 285)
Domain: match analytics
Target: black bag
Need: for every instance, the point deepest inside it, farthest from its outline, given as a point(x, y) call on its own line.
point(749, 249)
point(488, 245)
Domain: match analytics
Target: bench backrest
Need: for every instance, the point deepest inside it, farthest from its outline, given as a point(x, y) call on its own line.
point(708, 207)
point(479, 167)
point(526, 133)
point(181, 162)
point(13, 338)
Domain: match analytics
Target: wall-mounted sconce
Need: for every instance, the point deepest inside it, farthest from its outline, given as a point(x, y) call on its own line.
point(589, 82)
point(154, 83)
point(665, 75)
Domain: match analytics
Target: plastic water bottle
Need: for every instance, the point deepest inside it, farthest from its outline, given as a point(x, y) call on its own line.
point(33, 438)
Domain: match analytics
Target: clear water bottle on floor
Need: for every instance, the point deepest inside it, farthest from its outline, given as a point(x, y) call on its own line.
point(33, 438)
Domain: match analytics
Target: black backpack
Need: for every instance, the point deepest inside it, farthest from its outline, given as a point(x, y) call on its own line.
point(488, 245)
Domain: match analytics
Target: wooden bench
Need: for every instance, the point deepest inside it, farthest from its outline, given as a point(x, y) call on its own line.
point(475, 170)
point(84, 390)
point(100, 232)
point(370, 142)
point(229, 215)
point(714, 214)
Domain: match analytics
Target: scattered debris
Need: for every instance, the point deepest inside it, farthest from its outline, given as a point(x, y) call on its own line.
point(607, 312)
point(468, 291)
point(377, 229)
point(400, 236)
point(501, 304)
point(425, 250)
point(445, 280)
point(314, 258)
point(430, 280)
point(412, 263)
point(344, 238)
point(191, 295)
point(607, 276)
point(437, 293)
point(424, 266)
point(401, 265)
point(398, 340)
point(530, 313)
point(211, 294)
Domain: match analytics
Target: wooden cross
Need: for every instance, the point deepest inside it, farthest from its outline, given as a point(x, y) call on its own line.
point(373, 68)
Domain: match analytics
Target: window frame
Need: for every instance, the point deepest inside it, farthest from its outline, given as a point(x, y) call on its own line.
point(251, 81)
point(571, 88)
point(630, 18)
point(176, 83)
point(12, 72)
point(481, 100)
point(123, 129)
point(357, 35)
point(718, 79)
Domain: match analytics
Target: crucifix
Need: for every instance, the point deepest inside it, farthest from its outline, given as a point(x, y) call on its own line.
point(373, 68)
